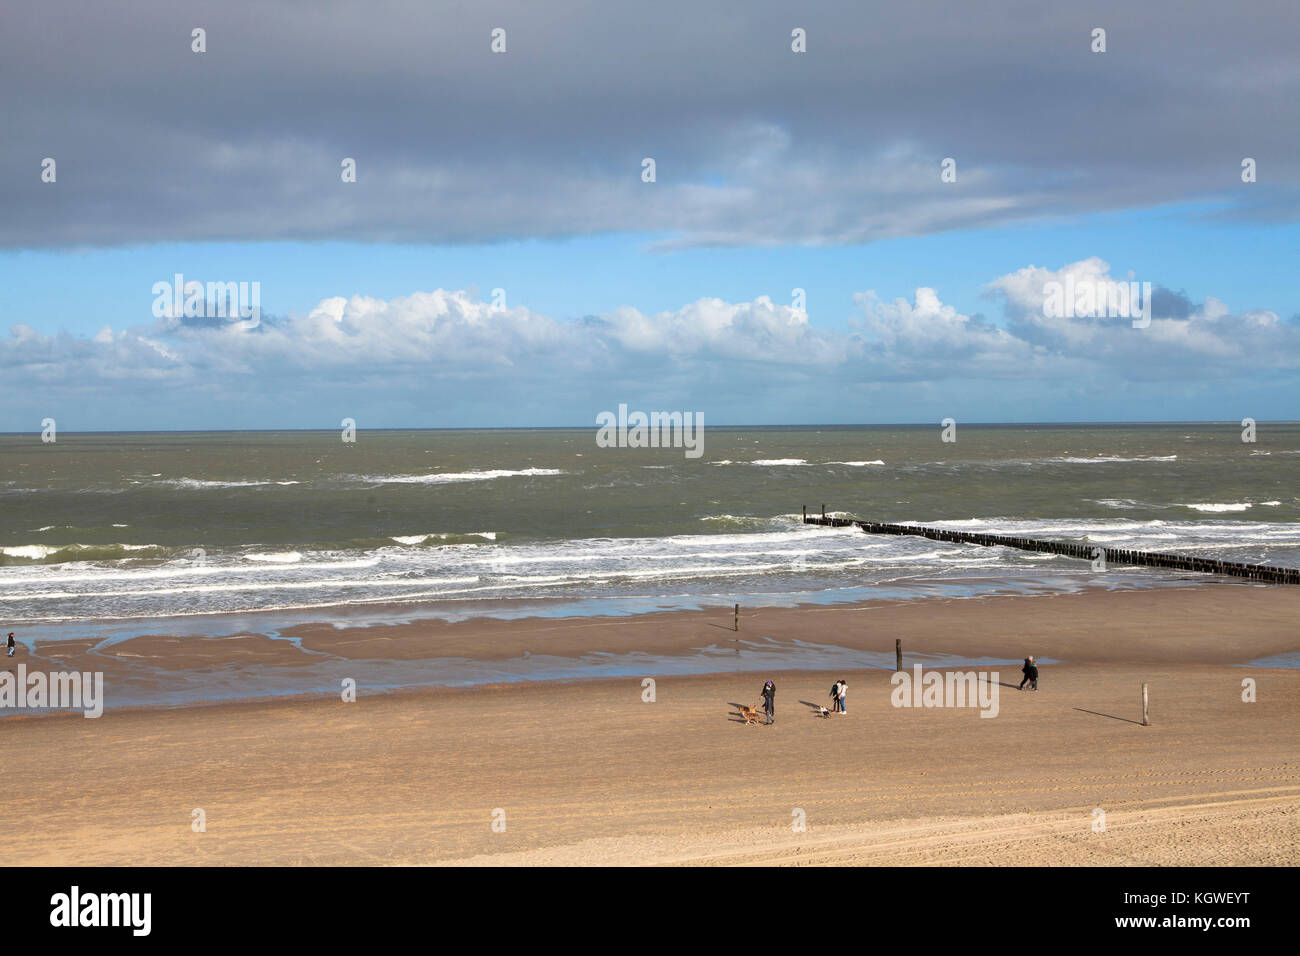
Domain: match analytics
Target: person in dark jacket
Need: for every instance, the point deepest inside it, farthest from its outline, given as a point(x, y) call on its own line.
point(1033, 673)
point(769, 700)
point(9, 644)
point(1024, 669)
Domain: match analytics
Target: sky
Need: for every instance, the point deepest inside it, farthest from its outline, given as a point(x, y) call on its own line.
point(861, 230)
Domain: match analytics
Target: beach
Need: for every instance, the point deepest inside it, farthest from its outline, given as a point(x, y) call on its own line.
point(589, 772)
point(436, 440)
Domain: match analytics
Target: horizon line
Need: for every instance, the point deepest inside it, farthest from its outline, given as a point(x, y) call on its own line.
point(476, 428)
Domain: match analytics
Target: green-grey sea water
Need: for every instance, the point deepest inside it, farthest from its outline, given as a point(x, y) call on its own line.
point(114, 526)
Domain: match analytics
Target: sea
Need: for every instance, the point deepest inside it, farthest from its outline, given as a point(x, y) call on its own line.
point(293, 525)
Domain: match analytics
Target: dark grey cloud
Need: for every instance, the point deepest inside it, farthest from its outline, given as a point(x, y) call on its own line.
point(1171, 304)
point(754, 144)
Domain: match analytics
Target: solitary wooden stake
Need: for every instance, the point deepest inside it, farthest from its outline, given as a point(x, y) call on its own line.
point(1145, 721)
point(898, 654)
point(737, 617)
point(805, 514)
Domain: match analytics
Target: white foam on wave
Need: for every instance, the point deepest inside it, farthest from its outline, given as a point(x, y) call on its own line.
point(33, 552)
point(448, 477)
point(91, 573)
point(38, 552)
point(412, 539)
point(1103, 459)
point(784, 462)
point(856, 464)
point(254, 586)
point(198, 483)
point(1219, 507)
point(1124, 504)
point(757, 548)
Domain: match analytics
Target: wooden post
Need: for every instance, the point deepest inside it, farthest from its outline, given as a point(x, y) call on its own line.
point(737, 617)
point(823, 511)
point(1146, 722)
point(898, 654)
point(805, 514)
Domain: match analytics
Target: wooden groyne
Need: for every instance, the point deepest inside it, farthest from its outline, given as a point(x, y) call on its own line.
point(1070, 549)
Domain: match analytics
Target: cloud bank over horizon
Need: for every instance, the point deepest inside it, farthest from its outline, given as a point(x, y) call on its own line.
point(445, 358)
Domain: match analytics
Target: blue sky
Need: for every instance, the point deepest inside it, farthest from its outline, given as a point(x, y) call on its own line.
point(522, 169)
point(1247, 265)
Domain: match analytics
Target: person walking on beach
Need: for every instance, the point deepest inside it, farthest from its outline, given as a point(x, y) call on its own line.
point(844, 690)
point(9, 644)
point(1030, 670)
point(769, 700)
point(835, 697)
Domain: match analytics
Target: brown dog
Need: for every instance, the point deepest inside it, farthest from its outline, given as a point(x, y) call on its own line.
point(750, 714)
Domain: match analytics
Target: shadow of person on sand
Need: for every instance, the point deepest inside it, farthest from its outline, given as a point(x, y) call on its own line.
point(818, 710)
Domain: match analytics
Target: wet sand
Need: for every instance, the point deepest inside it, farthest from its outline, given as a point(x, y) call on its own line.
point(1219, 624)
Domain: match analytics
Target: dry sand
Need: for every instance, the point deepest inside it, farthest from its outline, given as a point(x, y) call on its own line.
point(588, 773)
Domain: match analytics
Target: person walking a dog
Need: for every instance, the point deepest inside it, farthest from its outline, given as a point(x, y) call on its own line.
point(844, 690)
point(769, 701)
point(835, 697)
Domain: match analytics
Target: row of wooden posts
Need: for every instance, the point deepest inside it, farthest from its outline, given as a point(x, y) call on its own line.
point(1151, 559)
